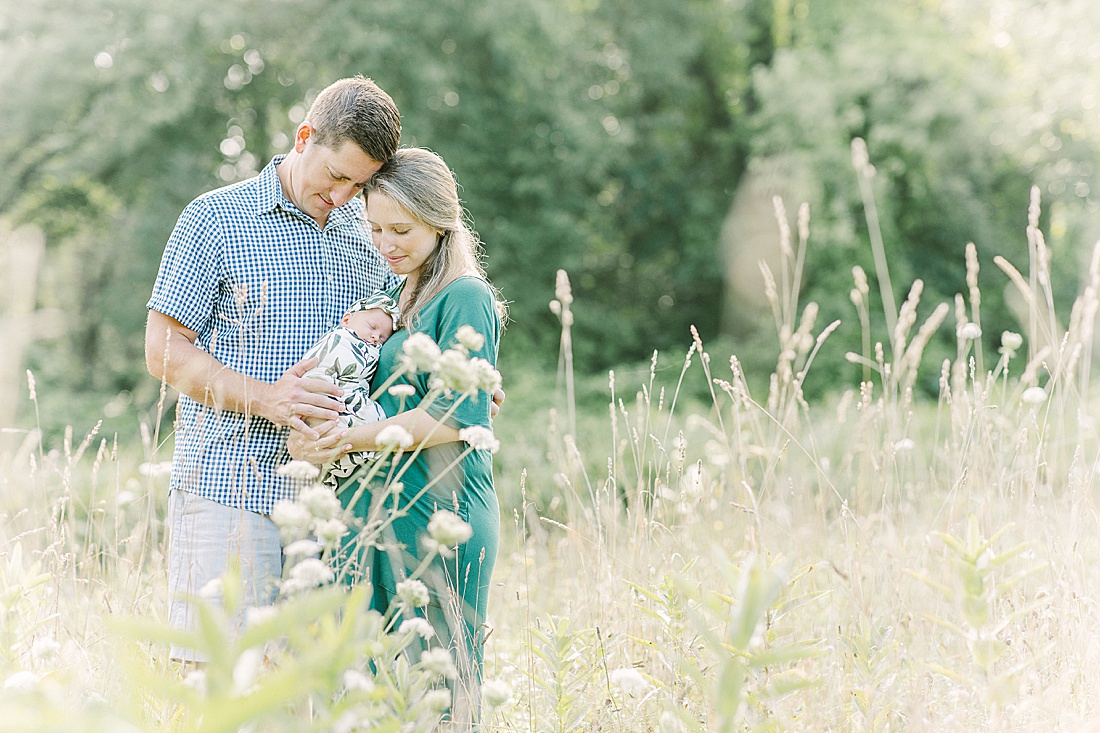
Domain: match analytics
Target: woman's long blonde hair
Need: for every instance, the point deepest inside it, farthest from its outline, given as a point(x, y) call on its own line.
point(420, 182)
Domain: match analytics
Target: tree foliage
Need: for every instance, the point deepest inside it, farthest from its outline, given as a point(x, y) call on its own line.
point(604, 137)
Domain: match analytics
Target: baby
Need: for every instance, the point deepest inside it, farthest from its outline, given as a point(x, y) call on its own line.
point(348, 356)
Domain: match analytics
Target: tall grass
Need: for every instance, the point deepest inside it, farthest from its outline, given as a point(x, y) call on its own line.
point(878, 562)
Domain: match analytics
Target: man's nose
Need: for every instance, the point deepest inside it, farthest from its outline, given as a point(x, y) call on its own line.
point(343, 194)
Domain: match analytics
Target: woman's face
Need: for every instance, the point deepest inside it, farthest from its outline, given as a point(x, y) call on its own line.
point(405, 242)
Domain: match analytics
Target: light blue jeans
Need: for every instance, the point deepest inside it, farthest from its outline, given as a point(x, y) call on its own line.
point(205, 538)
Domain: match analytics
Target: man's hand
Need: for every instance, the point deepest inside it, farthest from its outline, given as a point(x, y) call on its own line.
point(293, 400)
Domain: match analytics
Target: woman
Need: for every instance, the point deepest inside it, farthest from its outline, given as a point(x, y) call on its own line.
point(417, 224)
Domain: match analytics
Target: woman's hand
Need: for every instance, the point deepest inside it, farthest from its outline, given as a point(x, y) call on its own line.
point(328, 446)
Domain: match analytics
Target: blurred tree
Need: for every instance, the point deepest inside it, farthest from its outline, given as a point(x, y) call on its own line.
point(931, 104)
point(605, 137)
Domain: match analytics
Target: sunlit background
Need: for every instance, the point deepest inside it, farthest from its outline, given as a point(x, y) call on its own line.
point(636, 144)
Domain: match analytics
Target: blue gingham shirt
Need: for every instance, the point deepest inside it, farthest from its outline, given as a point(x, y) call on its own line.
point(259, 281)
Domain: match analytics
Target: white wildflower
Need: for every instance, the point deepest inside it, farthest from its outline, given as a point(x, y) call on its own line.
point(495, 693)
point(470, 338)
point(162, 468)
point(479, 438)
point(457, 372)
point(356, 680)
point(438, 661)
point(420, 353)
point(292, 518)
point(306, 575)
point(21, 681)
point(196, 680)
point(213, 590)
point(299, 469)
point(256, 615)
point(447, 529)
point(488, 378)
point(904, 445)
point(1010, 342)
point(303, 548)
point(312, 571)
point(412, 593)
point(418, 626)
point(970, 332)
point(45, 648)
point(1034, 396)
point(247, 670)
point(320, 501)
point(396, 488)
point(630, 681)
point(329, 531)
point(394, 437)
point(669, 723)
point(438, 700)
point(125, 498)
point(402, 390)
point(347, 722)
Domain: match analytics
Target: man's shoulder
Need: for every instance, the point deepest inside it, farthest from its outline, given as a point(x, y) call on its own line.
point(231, 196)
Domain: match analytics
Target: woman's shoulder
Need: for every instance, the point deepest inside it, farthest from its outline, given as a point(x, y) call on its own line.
point(469, 286)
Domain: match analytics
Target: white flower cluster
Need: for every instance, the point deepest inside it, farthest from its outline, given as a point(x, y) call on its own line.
point(419, 353)
point(630, 681)
point(447, 529)
point(303, 470)
point(496, 693)
point(479, 438)
point(394, 437)
point(308, 526)
point(453, 369)
point(1034, 396)
point(402, 390)
point(163, 468)
point(970, 332)
point(1011, 342)
point(418, 626)
point(438, 661)
point(316, 512)
point(469, 338)
point(356, 680)
point(412, 594)
point(438, 700)
point(306, 575)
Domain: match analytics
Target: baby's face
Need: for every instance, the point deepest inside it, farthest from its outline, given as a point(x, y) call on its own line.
point(373, 326)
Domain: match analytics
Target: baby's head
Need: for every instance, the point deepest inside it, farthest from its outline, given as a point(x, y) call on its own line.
point(372, 319)
point(373, 326)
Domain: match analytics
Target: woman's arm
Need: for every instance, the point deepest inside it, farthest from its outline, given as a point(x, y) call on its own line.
point(335, 441)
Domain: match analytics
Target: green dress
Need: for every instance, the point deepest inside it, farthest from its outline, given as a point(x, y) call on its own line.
point(458, 585)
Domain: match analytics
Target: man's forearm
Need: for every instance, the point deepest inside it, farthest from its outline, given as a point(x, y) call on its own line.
point(204, 379)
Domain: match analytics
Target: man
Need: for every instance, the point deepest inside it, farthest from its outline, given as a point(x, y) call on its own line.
point(253, 274)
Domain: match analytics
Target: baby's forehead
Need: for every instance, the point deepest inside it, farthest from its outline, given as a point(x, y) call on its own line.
point(373, 314)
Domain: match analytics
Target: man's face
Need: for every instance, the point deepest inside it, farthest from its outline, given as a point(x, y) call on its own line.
point(373, 326)
point(323, 178)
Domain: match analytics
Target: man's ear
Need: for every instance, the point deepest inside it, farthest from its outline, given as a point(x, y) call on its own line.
point(304, 132)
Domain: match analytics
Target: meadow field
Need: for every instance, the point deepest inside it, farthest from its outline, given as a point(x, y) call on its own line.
point(878, 560)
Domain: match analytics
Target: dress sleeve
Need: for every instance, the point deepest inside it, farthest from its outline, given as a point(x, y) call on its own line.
point(467, 302)
point(187, 284)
